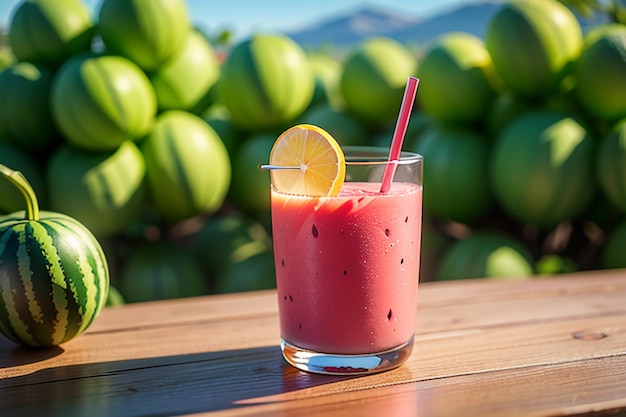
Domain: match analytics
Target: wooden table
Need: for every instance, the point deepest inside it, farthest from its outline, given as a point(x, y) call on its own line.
point(545, 347)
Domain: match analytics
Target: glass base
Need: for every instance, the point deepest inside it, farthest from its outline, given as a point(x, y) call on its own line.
point(341, 364)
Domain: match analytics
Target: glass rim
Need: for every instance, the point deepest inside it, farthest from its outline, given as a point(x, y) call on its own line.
point(364, 156)
point(373, 155)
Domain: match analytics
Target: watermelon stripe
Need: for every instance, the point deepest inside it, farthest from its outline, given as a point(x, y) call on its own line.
point(64, 254)
point(85, 292)
point(53, 280)
point(90, 285)
point(5, 324)
point(9, 322)
point(29, 291)
point(181, 178)
point(20, 321)
point(97, 259)
point(81, 277)
point(18, 286)
point(44, 260)
point(23, 287)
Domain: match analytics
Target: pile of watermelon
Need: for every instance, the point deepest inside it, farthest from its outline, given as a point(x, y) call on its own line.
point(102, 115)
point(133, 122)
point(525, 144)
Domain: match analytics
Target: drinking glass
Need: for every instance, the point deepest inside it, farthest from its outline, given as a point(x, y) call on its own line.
point(347, 268)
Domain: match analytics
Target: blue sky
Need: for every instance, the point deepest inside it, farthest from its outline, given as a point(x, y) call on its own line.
point(246, 16)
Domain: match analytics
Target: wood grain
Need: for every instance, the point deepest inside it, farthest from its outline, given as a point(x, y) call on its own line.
point(492, 348)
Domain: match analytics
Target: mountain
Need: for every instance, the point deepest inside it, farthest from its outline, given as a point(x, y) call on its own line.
point(471, 18)
point(353, 28)
point(348, 30)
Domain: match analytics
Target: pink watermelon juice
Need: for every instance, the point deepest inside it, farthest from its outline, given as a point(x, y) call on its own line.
point(347, 267)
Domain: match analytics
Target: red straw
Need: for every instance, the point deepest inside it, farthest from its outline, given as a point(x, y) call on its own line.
point(398, 135)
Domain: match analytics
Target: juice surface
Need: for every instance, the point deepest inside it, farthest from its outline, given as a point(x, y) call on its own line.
point(347, 267)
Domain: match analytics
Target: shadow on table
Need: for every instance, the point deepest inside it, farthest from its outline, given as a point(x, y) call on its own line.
point(17, 355)
point(162, 386)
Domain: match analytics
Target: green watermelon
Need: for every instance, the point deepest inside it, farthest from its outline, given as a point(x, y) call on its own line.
point(105, 191)
point(374, 78)
point(100, 101)
point(504, 109)
point(542, 168)
point(26, 118)
point(148, 32)
point(266, 82)
point(187, 166)
point(114, 298)
point(533, 44)
point(185, 80)
point(161, 270)
point(343, 126)
point(256, 272)
point(54, 276)
point(228, 239)
point(486, 255)
point(250, 187)
point(47, 32)
point(456, 174)
point(610, 166)
point(461, 79)
point(218, 117)
point(6, 57)
point(551, 264)
point(601, 72)
point(327, 72)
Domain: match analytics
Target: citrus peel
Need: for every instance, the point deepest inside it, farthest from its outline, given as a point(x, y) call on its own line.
point(317, 161)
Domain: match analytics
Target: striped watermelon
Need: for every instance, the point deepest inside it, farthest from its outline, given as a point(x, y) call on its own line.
point(266, 82)
point(54, 276)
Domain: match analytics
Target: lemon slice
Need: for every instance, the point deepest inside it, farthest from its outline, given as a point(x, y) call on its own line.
point(321, 162)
